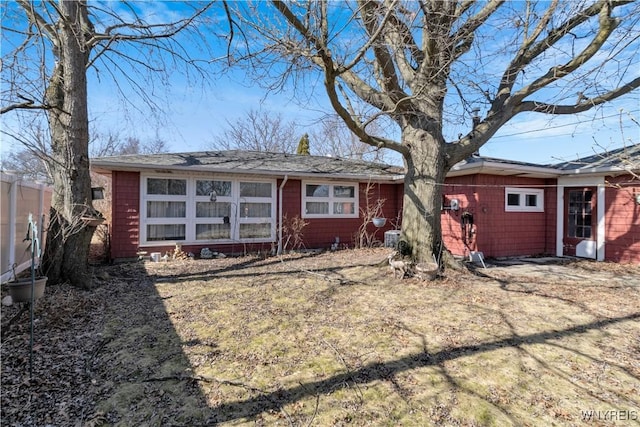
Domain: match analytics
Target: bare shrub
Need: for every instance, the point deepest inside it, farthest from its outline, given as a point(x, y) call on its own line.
point(293, 237)
point(365, 237)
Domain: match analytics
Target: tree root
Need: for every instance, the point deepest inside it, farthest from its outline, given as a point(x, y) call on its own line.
point(450, 262)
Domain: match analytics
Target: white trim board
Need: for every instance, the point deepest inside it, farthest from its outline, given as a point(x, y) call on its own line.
point(581, 181)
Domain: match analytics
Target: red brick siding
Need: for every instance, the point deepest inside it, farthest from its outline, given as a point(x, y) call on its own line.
point(291, 195)
point(319, 233)
point(322, 232)
point(498, 233)
point(622, 220)
point(462, 188)
point(125, 214)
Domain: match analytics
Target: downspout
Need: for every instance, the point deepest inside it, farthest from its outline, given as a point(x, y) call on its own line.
point(284, 181)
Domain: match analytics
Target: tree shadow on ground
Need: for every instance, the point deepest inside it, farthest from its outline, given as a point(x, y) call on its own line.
point(249, 408)
point(231, 268)
point(130, 365)
point(141, 373)
point(536, 289)
point(268, 267)
point(144, 371)
point(93, 355)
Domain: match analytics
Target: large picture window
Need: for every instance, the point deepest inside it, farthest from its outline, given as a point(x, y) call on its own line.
point(523, 200)
point(202, 210)
point(163, 232)
point(326, 200)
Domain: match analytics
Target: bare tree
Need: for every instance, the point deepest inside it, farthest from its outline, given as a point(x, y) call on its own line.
point(29, 161)
point(32, 157)
point(155, 146)
point(112, 144)
point(427, 65)
point(258, 131)
point(336, 140)
point(25, 165)
point(48, 49)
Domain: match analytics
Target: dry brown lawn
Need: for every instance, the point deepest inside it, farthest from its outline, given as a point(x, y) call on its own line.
point(329, 340)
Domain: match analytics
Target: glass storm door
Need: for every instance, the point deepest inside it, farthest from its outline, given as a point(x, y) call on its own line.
point(580, 222)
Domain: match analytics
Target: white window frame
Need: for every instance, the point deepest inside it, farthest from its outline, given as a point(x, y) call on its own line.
point(212, 220)
point(523, 193)
point(190, 220)
point(331, 199)
point(254, 220)
point(144, 220)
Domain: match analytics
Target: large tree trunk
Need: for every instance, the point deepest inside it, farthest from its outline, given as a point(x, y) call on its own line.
point(68, 237)
point(425, 172)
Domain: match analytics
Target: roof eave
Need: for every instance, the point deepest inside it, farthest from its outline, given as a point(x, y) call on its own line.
point(611, 170)
point(504, 169)
point(478, 167)
point(107, 168)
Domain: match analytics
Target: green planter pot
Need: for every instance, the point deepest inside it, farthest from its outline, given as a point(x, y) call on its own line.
point(20, 290)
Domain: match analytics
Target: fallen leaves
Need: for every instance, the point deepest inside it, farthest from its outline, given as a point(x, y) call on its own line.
point(322, 339)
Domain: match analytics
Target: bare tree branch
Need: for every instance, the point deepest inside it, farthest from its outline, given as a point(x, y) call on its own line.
point(60, 45)
point(579, 107)
point(607, 26)
point(421, 63)
point(258, 130)
point(21, 105)
point(464, 36)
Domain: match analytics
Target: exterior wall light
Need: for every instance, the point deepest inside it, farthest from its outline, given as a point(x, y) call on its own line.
point(97, 193)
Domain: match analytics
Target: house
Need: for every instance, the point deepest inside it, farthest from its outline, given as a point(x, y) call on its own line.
point(587, 208)
point(236, 201)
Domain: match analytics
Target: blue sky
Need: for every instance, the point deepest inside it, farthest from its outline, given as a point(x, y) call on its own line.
point(194, 119)
point(543, 139)
point(193, 114)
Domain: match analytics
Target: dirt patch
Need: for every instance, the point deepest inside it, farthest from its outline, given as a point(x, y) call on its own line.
point(328, 339)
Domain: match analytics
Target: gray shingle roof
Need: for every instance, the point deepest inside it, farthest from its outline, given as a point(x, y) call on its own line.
point(625, 158)
point(482, 159)
point(278, 164)
point(241, 161)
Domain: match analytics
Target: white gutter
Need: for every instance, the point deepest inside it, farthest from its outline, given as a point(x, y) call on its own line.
point(546, 171)
point(599, 171)
point(284, 181)
point(502, 169)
